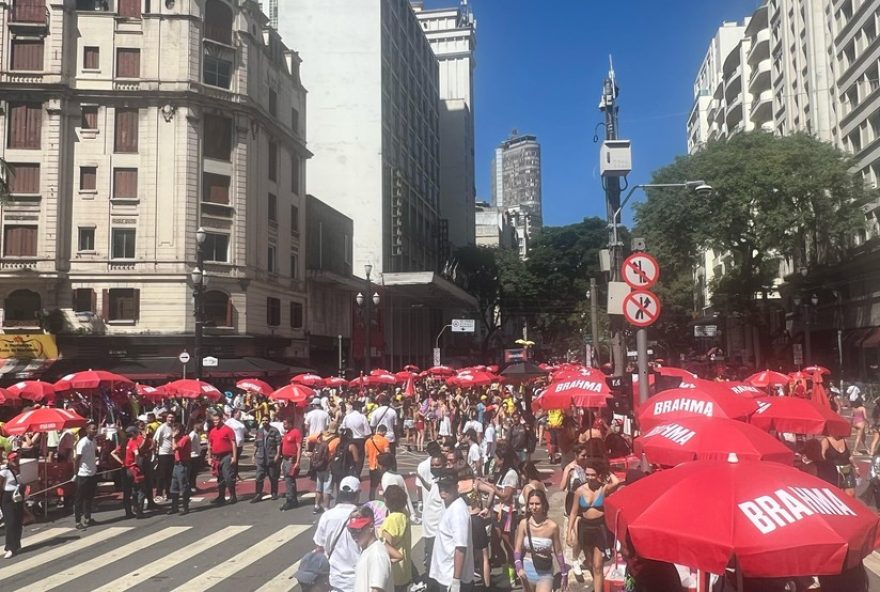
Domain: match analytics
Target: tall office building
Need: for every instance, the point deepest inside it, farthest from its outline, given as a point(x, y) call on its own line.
point(516, 185)
point(452, 35)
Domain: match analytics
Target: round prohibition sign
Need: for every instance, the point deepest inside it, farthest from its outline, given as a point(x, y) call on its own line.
point(641, 308)
point(640, 271)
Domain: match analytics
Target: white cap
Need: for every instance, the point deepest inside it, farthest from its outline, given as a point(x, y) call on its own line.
point(350, 484)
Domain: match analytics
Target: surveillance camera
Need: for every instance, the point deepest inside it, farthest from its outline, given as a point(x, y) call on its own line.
point(703, 190)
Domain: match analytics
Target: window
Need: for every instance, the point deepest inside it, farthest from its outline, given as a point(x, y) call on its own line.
point(89, 117)
point(126, 130)
point(28, 11)
point(273, 311)
point(130, 8)
point(273, 208)
point(86, 240)
point(294, 266)
point(215, 188)
point(218, 137)
point(218, 22)
point(122, 241)
point(217, 70)
point(218, 309)
point(294, 174)
point(128, 62)
point(88, 176)
point(296, 315)
point(27, 55)
point(91, 58)
point(273, 161)
point(121, 304)
point(125, 183)
point(19, 241)
point(22, 307)
point(216, 247)
point(273, 103)
point(84, 300)
point(294, 220)
point(25, 125)
point(25, 178)
point(270, 259)
point(294, 120)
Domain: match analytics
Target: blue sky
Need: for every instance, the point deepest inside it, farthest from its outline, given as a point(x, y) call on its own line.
point(540, 67)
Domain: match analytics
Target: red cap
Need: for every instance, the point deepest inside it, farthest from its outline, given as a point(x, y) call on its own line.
point(359, 522)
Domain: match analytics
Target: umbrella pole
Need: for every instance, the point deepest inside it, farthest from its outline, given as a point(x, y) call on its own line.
point(703, 579)
point(739, 575)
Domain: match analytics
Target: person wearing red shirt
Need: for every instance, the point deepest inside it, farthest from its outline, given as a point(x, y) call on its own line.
point(224, 455)
point(132, 478)
point(291, 448)
point(181, 447)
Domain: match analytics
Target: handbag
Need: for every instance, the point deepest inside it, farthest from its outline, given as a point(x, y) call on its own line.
point(542, 562)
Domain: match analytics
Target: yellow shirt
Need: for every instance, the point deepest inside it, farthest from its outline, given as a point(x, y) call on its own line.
point(398, 528)
point(554, 418)
point(152, 427)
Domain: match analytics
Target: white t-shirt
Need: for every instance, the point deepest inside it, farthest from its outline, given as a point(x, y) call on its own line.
point(238, 428)
point(509, 479)
point(853, 392)
point(475, 456)
point(454, 531)
point(317, 421)
point(473, 424)
point(432, 511)
point(196, 442)
point(358, 424)
point(10, 482)
point(488, 443)
point(446, 426)
point(390, 478)
point(86, 450)
point(163, 439)
point(387, 417)
point(424, 473)
point(345, 552)
point(374, 569)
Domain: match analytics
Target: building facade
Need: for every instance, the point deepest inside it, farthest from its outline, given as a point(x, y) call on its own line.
point(452, 35)
point(494, 227)
point(516, 186)
point(129, 126)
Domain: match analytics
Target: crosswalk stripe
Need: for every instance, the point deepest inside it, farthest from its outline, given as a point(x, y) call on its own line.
point(138, 576)
point(60, 551)
point(80, 569)
point(251, 555)
point(44, 535)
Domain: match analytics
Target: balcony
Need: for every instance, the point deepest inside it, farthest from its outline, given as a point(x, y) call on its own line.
point(734, 113)
point(762, 108)
point(733, 86)
point(760, 79)
point(760, 49)
point(31, 14)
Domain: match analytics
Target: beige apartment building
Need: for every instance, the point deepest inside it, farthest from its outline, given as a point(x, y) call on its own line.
point(130, 124)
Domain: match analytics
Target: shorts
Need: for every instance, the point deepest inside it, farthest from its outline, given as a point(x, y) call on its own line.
point(323, 481)
point(534, 576)
point(846, 477)
point(420, 425)
point(591, 534)
point(408, 424)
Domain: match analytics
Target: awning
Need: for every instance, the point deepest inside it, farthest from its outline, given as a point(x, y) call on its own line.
point(428, 288)
point(13, 370)
point(872, 340)
point(169, 368)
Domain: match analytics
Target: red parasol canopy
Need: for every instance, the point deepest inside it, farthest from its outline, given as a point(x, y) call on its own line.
point(799, 416)
point(673, 371)
point(819, 369)
point(740, 389)
point(378, 371)
point(441, 371)
point(5, 397)
point(91, 379)
point(412, 368)
point(410, 389)
point(775, 520)
point(44, 419)
point(154, 393)
point(335, 381)
point(767, 378)
point(578, 373)
point(493, 369)
point(32, 390)
point(298, 394)
point(190, 388)
point(380, 379)
point(708, 438)
point(256, 385)
point(472, 378)
point(403, 375)
point(580, 391)
point(675, 404)
point(312, 380)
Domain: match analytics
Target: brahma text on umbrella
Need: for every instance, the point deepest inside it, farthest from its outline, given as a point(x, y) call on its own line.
point(586, 385)
point(672, 431)
point(792, 504)
point(694, 406)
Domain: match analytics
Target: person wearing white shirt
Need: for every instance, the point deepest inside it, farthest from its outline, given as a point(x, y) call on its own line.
point(488, 445)
point(391, 477)
point(446, 424)
point(334, 540)
point(86, 470)
point(452, 558)
point(316, 420)
point(474, 455)
point(373, 570)
point(432, 508)
point(387, 416)
point(162, 439)
point(360, 431)
point(473, 424)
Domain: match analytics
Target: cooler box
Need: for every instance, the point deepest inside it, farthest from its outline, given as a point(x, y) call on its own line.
point(27, 470)
point(614, 577)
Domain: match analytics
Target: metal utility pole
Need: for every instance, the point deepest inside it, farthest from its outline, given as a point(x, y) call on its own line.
point(608, 105)
point(594, 319)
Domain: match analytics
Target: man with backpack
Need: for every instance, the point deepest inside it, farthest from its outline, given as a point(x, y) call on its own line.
point(334, 540)
point(320, 469)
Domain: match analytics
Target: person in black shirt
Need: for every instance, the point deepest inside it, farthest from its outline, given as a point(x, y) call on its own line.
point(616, 444)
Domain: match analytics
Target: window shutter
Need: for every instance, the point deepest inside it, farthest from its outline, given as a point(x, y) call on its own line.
point(105, 304)
point(94, 298)
point(25, 178)
point(25, 120)
point(27, 54)
point(230, 311)
point(91, 58)
point(130, 8)
point(125, 183)
point(215, 188)
point(128, 63)
point(126, 139)
point(136, 298)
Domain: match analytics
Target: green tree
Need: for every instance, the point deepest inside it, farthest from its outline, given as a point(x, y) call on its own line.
point(7, 171)
point(775, 197)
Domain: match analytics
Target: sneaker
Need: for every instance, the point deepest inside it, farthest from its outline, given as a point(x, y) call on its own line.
point(576, 569)
point(316, 510)
point(81, 526)
point(8, 555)
point(158, 499)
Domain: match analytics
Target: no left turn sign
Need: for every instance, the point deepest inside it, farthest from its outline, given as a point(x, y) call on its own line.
point(641, 308)
point(640, 271)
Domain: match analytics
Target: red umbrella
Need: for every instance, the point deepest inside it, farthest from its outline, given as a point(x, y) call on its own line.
point(44, 419)
point(799, 416)
point(579, 392)
point(403, 375)
point(675, 404)
point(255, 385)
point(493, 369)
point(474, 378)
point(578, 373)
point(190, 388)
point(741, 389)
point(773, 519)
point(298, 394)
point(767, 378)
point(412, 368)
point(673, 371)
point(380, 379)
point(410, 389)
point(359, 382)
point(819, 369)
point(441, 371)
point(32, 390)
point(154, 393)
point(335, 381)
point(705, 438)
point(378, 372)
point(91, 379)
point(5, 397)
point(308, 379)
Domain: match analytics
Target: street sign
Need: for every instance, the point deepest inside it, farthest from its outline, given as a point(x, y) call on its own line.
point(436, 356)
point(210, 362)
point(183, 357)
point(705, 330)
point(463, 325)
point(640, 271)
point(641, 308)
point(617, 291)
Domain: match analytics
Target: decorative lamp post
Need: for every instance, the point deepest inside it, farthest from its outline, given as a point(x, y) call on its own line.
point(368, 303)
point(199, 282)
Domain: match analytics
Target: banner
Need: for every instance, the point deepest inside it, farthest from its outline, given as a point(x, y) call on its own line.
point(28, 347)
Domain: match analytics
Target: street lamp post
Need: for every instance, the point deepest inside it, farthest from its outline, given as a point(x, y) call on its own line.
point(199, 280)
point(368, 303)
point(807, 305)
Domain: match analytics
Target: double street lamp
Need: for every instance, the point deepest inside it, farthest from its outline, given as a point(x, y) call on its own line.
point(367, 303)
point(199, 281)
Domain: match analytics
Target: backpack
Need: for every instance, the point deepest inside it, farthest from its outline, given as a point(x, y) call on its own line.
point(320, 456)
point(339, 462)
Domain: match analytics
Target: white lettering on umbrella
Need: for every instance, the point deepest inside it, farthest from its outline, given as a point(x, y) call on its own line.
point(769, 512)
point(743, 388)
point(678, 434)
point(586, 385)
point(694, 406)
point(763, 406)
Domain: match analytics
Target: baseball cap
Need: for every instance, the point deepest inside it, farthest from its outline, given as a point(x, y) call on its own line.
point(312, 568)
point(359, 522)
point(350, 484)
